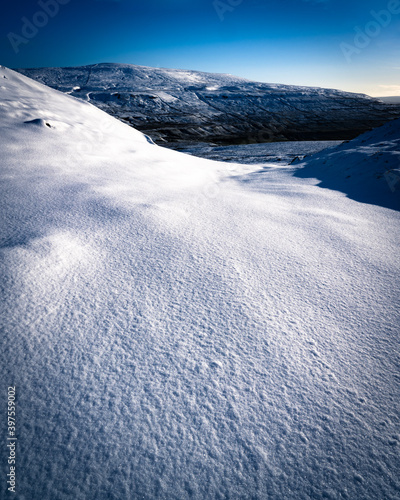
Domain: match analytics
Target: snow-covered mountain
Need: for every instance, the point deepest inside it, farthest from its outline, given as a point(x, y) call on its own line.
point(178, 105)
point(182, 328)
point(390, 100)
point(367, 168)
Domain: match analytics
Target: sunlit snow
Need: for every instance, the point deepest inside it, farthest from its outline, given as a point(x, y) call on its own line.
point(184, 328)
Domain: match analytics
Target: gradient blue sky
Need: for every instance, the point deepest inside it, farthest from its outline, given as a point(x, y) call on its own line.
point(285, 41)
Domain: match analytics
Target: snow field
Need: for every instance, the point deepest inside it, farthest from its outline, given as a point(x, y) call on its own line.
point(181, 328)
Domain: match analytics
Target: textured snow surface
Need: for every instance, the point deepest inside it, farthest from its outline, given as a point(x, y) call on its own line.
point(181, 328)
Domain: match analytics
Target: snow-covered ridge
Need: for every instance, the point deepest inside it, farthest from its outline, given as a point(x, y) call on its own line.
point(181, 105)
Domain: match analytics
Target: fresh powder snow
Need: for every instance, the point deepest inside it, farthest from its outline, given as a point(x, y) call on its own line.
point(177, 327)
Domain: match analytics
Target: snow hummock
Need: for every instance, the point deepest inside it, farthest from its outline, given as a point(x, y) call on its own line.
point(367, 168)
point(182, 328)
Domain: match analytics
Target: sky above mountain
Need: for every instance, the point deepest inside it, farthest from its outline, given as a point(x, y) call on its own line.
point(350, 45)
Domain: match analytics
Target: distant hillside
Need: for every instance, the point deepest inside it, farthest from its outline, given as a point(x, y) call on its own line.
point(176, 105)
point(395, 99)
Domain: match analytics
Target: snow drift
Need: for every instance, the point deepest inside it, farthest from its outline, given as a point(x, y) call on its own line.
point(181, 328)
point(367, 168)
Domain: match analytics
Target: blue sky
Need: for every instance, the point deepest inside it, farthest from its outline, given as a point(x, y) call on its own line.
point(305, 42)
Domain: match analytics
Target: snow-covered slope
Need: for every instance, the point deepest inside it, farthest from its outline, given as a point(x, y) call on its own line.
point(367, 168)
point(390, 100)
point(180, 328)
point(177, 105)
